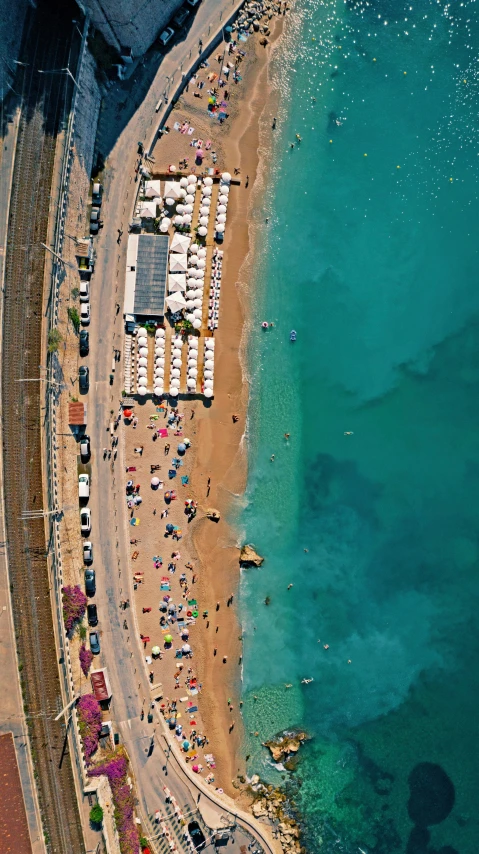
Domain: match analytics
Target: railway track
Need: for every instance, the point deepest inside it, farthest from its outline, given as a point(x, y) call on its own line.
point(45, 99)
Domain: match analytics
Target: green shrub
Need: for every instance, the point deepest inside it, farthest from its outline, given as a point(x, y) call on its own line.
point(96, 814)
point(75, 318)
point(54, 339)
point(75, 293)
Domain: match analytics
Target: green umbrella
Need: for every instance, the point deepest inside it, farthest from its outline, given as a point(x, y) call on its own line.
point(168, 639)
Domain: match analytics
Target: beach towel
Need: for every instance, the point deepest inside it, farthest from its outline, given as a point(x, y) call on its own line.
point(191, 131)
point(131, 468)
point(172, 473)
point(184, 479)
point(176, 126)
point(163, 432)
point(192, 709)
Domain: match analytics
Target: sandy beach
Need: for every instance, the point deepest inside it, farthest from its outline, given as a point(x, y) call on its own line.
point(216, 456)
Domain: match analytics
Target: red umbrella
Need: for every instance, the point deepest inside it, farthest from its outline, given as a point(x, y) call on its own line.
point(128, 413)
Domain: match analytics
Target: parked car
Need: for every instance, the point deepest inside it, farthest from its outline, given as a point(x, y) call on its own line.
point(197, 835)
point(166, 35)
point(90, 583)
point(84, 291)
point(84, 377)
point(84, 486)
point(181, 17)
point(92, 614)
point(85, 448)
point(87, 552)
point(84, 342)
point(85, 520)
point(97, 194)
point(85, 313)
point(94, 228)
point(95, 642)
point(95, 215)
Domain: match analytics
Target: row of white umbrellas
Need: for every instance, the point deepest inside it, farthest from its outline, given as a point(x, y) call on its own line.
point(209, 367)
point(159, 376)
point(222, 204)
point(175, 364)
point(192, 368)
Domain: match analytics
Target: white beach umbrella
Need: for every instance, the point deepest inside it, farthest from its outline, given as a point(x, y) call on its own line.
point(188, 209)
point(206, 201)
point(223, 199)
point(169, 201)
point(160, 351)
point(194, 248)
point(177, 363)
point(210, 343)
point(201, 264)
point(197, 304)
point(174, 392)
point(202, 252)
point(143, 351)
point(175, 372)
point(198, 293)
point(199, 272)
point(182, 193)
point(204, 211)
point(203, 220)
point(180, 208)
point(183, 182)
point(190, 304)
point(176, 352)
point(193, 262)
point(209, 364)
point(187, 218)
point(197, 313)
point(158, 390)
point(178, 220)
point(141, 331)
point(221, 219)
point(191, 179)
point(202, 231)
point(224, 189)
point(142, 382)
point(208, 375)
point(160, 333)
point(193, 372)
point(194, 344)
point(208, 383)
point(164, 225)
point(220, 227)
point(189, 199)
point(192, 363)
point(190, 317)
point(226, 177)
point(142, 341)
point(142, 362)
point(190, 382)
point(142, 372)
point(142, 391)
point(175, 383)
point(196, 323)
point(207, 191)
point(208, 392)
point(221, 209)
point(208, 182)
point(159, 372)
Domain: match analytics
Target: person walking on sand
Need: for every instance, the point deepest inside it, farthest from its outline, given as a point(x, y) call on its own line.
point(167, 448)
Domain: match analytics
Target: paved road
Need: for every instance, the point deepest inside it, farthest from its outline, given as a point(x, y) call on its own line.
point(121, 652)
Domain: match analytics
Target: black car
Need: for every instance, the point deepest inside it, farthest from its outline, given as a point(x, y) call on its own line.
point(196, 835)
point(90, 585)
point(84, 342)
point(85, 448)
point(95, 642)
point(92, 615)
point(84, 378)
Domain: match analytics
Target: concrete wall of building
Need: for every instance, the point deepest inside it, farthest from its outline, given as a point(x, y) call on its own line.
point(131, 23)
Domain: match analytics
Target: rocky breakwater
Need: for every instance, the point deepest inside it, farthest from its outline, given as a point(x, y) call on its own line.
point(254, 17)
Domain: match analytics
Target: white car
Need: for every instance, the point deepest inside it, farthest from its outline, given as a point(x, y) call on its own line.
point(85, 520)
point(85, 313)
point(84, 291)
point(166, 35)
point(84, 486)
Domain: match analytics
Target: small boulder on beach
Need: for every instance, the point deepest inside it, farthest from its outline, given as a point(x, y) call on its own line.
point(248, 557)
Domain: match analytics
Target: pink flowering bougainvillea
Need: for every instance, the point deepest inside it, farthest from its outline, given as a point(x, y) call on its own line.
point(74, 605)
point(89, 724)
point(86, 658)
point(116, 769)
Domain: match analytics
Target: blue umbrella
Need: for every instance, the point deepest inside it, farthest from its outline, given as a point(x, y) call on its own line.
point(181, 448)
point(186, 745)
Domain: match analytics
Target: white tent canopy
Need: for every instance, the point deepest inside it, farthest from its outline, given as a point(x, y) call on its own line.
point(147, 210)
point(178, 263)
point(176, 283)
point(180, 243)
point(175, 302)
point(173, 190)
point(152, 189)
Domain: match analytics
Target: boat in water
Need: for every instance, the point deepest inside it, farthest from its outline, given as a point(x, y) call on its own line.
point(292, 335)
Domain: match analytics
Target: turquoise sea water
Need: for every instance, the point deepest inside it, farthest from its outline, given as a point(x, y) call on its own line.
point(377, 269)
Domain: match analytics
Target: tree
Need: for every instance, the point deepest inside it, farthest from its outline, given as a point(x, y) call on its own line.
point(96, 814)
point(54, 339)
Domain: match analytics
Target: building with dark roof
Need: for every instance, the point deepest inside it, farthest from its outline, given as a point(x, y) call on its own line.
point(146, 275)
